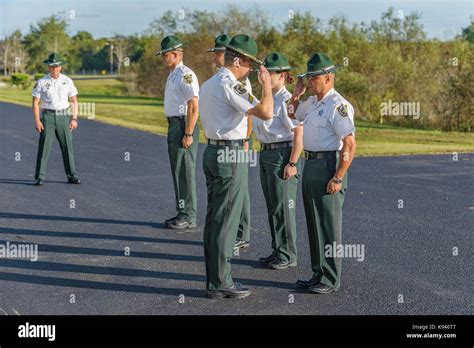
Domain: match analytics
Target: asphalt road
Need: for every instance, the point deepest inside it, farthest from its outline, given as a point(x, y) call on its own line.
point(121, 204)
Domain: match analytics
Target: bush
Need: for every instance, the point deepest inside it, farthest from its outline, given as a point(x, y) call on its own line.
point(38, 76)
point(21, 80)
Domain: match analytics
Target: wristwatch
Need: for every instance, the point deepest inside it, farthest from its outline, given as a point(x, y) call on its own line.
point(188, 134)
point(246, 140)
point(337, 180)
point(292, 164)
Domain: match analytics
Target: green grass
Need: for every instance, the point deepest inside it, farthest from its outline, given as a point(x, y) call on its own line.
point(115, 107)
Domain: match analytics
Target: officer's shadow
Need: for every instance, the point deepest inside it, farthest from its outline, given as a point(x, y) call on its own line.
point(29, 182)
point(115, 271)
point(79, 219)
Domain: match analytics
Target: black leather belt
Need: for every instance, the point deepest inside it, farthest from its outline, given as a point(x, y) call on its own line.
point(273, 146)
point(310, 155)
point(239, 142)
point(176, 118)
point(62, 111)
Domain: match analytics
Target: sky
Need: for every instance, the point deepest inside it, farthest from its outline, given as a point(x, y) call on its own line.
point(442, 19)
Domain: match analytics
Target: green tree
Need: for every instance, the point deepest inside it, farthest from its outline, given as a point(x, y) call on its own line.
point(49, 35)
point(468, 33)
point(13, 52)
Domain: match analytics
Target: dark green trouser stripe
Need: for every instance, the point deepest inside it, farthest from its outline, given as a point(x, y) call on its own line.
point(55, 125)
point(324, 218)
point(183, 169)
point(226, 183)
point(280, 198)
point(244, 225)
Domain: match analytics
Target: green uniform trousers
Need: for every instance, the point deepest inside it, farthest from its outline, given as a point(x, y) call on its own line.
point(226, 183)
point(55, 125)
point(280, 197)
point(183, 168)
point(244, 225)
point(324, 218)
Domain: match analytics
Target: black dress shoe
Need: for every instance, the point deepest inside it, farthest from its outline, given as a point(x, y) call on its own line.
point(237, 291)
point(281, 264)
point(74, 181)
point(182, 224)
point(266, 260)
point(321, 289)
point(241, 244)
point(170, 220)
point(39, 182)
point(306, 284)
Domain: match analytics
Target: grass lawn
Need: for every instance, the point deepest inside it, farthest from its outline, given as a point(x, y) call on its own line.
point(113, 106)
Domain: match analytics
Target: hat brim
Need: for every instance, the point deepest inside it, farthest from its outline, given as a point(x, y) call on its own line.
point(324, 71)
point(245, 54)
point(169, 49)
point(216, 49)
point(48, 63)
point(280, 68)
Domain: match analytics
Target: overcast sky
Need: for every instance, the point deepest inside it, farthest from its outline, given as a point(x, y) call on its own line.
point(441, 18)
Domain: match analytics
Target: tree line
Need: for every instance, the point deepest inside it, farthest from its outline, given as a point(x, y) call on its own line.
point(389, 61)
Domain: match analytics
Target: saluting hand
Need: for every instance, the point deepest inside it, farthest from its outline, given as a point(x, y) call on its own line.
point(300, 88)
point(264, 77)
point(39, 126)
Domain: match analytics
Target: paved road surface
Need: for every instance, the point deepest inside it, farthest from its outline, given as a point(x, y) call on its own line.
point(408, 251)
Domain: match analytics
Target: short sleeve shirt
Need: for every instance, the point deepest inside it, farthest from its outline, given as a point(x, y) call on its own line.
point(280, 127)
point(181, 86)
point(224, 103)
point(54, 93)
point(326, 122)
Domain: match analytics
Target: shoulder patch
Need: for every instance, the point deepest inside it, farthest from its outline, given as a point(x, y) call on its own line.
point(188, 78)
point(250, 98)
point(239, 89)
point(342, 109)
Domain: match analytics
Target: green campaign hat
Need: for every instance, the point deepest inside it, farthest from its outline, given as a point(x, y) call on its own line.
point(219, 43)
point(277, 62)
point(244, 45)
point(54, 59)
point(169, 43)
point(319, 64)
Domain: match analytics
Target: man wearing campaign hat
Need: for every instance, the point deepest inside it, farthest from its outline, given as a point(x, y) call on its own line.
point(225, 107)
point(281, 140)
point(181, 107)
point(57, 93)
point(329, 147)
point(243, 235)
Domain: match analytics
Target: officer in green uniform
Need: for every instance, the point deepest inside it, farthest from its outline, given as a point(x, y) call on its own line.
point(243, 235)
point(225, 105)
point(56, 92)
point(329, 144)
point(281, 140)
point(181, 106)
